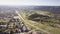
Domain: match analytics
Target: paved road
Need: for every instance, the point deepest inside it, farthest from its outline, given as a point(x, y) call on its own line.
point(32, 25)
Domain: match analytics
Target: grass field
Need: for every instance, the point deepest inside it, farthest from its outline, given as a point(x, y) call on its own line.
point(45, 26)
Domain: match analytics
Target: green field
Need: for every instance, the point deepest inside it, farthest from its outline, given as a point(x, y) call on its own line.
point(47, 26)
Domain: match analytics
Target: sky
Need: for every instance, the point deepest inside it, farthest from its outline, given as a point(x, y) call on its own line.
point(30, 2)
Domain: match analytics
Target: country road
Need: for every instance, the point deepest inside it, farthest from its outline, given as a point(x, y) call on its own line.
point(20, 17)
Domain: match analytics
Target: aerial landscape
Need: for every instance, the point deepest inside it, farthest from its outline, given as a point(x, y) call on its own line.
point(29, 16)
point(29, 19)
